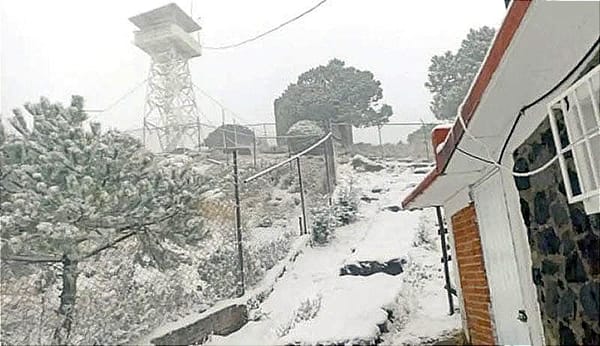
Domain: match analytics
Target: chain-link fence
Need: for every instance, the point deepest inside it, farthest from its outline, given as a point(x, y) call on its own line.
point(131, 288)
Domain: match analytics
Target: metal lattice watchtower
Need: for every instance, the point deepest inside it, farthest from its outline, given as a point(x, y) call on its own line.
point(170, 109)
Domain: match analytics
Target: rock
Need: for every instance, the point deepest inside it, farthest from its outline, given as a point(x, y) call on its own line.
point(368, 199)
point(566, 335)
point(588, 246)
point(265, 222)
point(566, 305)
point(589, 297)
point(393, 208)
point(549, 267)
point(559, 213)
point(547, 241)
point(574, 270)
point(522, 183)
point(360, 162)
point(541, 208)
point(552, 299)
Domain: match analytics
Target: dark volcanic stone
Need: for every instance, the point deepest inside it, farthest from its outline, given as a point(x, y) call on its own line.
point(541, 208)
point(579, 219)
point(526, 213)
point(551, 304)
point(567, 305)
point(561, 284)
point(548, 242)
point(566, 335)
point(559, 213)
point(521, 165)
point(588, 297)
point(537, 276)
point(589, 246)
point(568, 246)
point(574, 270)
point(549, 267)
point(590, 336)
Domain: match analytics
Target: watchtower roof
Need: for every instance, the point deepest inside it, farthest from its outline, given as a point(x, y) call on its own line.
point(170, 13)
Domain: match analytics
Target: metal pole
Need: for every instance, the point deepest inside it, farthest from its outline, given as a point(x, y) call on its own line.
point(144, 134)
point(327, 175)
point(238, 221)
point(199, 133)
point(380, 142)
point(300, 224)
point(235, 137)
point(425, 141)
point(332, 151)
point(301, 194)
point(442, 232)
point(223, 127)
point(254, 149)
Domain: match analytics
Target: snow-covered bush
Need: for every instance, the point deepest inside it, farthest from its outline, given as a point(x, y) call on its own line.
point(345, 204)
point(323, 224)
point(308, 309)
point(220, 271)
point(425, 236)
point(307, 132)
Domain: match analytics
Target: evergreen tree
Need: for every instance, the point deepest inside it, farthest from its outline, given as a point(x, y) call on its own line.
point(450, 75)
point(68, 193)
point(333, 92)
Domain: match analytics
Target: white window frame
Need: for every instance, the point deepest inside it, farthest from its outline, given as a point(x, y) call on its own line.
point(586, 168)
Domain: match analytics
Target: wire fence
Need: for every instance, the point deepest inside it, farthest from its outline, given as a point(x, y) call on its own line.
point(128, 290)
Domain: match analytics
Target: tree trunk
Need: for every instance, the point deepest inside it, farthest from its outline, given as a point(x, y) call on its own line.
point(62, 332)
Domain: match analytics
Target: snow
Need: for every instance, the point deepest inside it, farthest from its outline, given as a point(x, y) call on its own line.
point(312, 304)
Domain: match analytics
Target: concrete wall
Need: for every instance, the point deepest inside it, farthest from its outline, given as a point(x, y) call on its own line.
point(564, 246)
point(471, 269)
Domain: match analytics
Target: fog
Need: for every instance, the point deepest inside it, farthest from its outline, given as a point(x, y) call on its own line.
point(63, 47)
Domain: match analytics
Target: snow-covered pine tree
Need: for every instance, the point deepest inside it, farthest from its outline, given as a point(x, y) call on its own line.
point(68, 193)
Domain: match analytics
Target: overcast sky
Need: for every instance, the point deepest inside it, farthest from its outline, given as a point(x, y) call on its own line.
point(62, 47)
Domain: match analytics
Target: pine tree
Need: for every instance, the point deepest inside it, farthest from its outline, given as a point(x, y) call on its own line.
point(450, 75)
point(68, 193)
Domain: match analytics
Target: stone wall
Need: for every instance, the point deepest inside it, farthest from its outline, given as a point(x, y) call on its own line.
point(564, 242)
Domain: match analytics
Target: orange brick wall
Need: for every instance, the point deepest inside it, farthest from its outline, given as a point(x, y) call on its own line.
point(474, 285)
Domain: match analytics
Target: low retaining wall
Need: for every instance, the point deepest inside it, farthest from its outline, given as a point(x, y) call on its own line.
point(226, 316)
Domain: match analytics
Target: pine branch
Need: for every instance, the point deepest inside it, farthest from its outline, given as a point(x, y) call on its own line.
point(136, 228)
point(32, 259)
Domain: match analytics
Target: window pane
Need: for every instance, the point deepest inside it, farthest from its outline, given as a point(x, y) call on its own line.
point(587, 110)
point(595, 145)
point(573, 126)
point(584, 167)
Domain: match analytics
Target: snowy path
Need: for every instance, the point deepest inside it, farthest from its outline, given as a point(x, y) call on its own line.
point(342, 309)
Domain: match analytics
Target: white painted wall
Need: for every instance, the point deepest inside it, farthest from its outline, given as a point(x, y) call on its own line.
point(523, 256)
point(500, 261)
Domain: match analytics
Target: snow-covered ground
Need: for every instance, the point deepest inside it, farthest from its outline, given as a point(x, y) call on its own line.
point(313, 304)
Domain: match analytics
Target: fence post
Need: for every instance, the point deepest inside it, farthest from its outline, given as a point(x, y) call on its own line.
point(442, 232)
point(380, 142)
point(425, 140)
point(302, 194)
point(144, 134)
point(254, 149)
point(238, 221)
point(327, 174)
point(199, 133)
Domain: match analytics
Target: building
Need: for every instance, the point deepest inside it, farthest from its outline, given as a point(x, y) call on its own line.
point(518, 177)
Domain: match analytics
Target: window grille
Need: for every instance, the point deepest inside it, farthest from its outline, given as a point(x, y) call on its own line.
point(575, 121)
